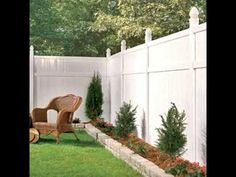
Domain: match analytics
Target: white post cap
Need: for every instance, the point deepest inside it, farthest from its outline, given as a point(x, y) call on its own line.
point(108, 54)
point(194, 20)
point(148, 35)
point(123, 45)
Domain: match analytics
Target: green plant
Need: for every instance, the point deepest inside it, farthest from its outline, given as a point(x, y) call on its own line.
point(94, 99)
point(131, 144)
point(125, 123)
point(100, 123)
point(198, 171)
point(108, 129)
point(179, 169)
point(196, 174)
point(140, 149)
point(171, 136)
point(185, 168)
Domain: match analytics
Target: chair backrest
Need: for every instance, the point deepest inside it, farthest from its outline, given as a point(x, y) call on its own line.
point(69, 101)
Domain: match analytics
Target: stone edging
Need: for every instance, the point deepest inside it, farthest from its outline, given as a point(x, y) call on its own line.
point(144, 166)
point(78, 125)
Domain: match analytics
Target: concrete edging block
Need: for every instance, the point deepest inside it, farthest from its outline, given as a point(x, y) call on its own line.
point(139, 163)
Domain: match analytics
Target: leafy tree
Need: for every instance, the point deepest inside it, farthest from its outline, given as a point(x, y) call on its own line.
point(62, 27)
point(125, 123)
point(43, 28)
point(89, 27)
point(163, 17)
point(94, 99)
point(171, 135)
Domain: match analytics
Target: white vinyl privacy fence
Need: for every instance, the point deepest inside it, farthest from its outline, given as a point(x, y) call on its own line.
point(56, 76)
point(151, 76)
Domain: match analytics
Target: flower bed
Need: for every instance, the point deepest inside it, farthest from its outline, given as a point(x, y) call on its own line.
point(178, 167)
point(144, 166)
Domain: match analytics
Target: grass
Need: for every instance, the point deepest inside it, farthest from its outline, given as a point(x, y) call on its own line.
point(72, 158)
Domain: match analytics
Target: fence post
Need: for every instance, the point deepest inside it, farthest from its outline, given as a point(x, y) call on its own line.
point(108, 54)
point(193, 22)
point(31, 78)
point(122, 48)
point(148, 38)
point(148, 35)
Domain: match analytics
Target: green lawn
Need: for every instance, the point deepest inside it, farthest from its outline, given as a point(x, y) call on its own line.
point(71, 158)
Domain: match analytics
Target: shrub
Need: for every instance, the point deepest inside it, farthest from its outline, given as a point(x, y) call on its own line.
point(140, 149)
point(94, 99)
point(100, 123)
point(125, 123)
point(105, 126)
point(131, 144)
point(108, 128)
point(179, 169)
point(196, 174)
point(171, 137)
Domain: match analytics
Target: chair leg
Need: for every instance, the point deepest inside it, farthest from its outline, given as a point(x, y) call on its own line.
point(57, 136)
point(58, 139)
point(75, 135)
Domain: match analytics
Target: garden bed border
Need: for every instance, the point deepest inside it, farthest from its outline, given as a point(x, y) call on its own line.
point(139, 163)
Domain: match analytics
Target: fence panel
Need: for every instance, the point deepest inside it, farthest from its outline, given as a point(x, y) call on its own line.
point(169, 69)
point(56, 76)
point(114, 85)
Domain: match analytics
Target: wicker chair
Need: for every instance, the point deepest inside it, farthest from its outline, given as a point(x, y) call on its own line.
point(65, 107)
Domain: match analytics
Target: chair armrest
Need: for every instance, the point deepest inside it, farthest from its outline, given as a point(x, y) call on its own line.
point(39, 115)
point(63, 117)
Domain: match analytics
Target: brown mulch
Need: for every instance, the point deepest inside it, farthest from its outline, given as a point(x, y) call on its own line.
point(152, 153)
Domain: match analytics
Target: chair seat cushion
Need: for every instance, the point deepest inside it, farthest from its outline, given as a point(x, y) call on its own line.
point(44, 125)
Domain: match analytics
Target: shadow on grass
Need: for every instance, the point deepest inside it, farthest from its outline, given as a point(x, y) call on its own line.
point(69, 139)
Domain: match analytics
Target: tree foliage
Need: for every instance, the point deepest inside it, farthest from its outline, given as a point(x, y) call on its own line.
point(94, 99)
point(89, 27)
point(171, 135)
point(163, 17)
point(62, 27)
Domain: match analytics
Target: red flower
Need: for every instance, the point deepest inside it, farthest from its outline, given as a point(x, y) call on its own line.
point(203, 169)
point(196, 164)
point(109, 124)
point(179, 159)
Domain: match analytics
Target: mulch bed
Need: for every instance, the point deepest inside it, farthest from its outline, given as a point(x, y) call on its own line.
point(152, 153)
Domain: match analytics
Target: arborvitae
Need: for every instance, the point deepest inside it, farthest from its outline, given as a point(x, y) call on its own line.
point(125, 123)
point(94, 99)
point(171, 136)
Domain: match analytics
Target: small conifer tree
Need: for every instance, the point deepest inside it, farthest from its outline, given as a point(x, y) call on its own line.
point(94, 99)
point(125, 123)
point(171, 138)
